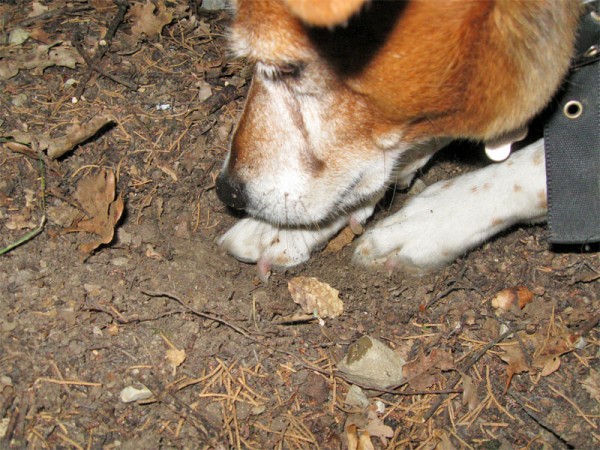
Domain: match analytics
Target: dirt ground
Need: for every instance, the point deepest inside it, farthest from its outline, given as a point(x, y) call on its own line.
point(158, 309)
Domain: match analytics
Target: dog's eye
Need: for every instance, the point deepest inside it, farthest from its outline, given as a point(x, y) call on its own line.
point(278, 72)
point(290, 70)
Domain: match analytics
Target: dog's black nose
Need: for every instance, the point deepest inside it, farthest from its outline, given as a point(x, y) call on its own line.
point(230, 192)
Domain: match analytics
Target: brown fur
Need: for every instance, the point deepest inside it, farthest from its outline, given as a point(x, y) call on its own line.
point(459, 68)
point(326, 13)
point(328, 105)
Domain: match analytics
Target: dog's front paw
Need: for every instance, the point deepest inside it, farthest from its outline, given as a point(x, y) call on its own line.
point(452, 217)
point(255, 241)
point(400, 242)
point(429, 232)
point(251, 240)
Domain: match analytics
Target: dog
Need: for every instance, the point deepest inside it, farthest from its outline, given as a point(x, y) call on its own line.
point(350, 97)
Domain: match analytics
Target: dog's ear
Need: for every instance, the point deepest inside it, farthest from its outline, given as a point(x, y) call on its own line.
point(325, 13)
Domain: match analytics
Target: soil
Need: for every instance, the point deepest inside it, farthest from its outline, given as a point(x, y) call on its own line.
point(161, 309)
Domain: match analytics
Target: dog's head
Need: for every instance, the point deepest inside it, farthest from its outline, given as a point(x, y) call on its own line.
point(342, 90)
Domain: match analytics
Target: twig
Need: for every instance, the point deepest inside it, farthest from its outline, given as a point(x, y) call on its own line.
point(61, 12)
point(102, 49)
point(539, 420)
point(202, 314)
point(40, 227)
point(119, 318)
point(182, 409)
point(465, 367)
point(68, 382)
point(574, 405)
point(77, 43)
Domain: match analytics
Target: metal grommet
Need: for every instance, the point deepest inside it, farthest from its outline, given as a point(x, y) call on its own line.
point(573, 109)
point(592, 51)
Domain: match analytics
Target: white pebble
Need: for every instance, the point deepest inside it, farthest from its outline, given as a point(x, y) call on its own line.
point(135, 393)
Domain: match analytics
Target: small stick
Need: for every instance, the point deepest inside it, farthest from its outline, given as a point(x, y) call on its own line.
point(55, 12)
point(539, 420)
point(201, 313)
point(102, 49)
point(69, 382)
point(465, 367)
point(40, 228)
point(76, 41)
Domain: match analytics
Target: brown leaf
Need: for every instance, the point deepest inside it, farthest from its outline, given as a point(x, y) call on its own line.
point(39, 58)
point(316, 297)
point(150, 18)
point(376, 427)
point(40, 35)
point(76, 134)
point(470, 397)
point(547, 358)
point(343, 239)
point(175, 357)
point(96, 195)
point(551, 365)
point(515, 358)
point(102, 5)
point(425, 371)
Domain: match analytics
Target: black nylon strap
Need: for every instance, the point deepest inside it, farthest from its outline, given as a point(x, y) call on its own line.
point(572, 146)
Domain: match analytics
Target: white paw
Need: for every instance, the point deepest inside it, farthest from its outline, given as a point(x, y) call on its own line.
point(254, 241)
point(452, 217)
point(250, 240)
point(423, 235)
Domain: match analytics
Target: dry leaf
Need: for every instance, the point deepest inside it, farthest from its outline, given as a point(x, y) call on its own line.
point(551, 366)
point(547, 357)
point(343, 239)
point(40, 35)
point(96, 195)
point(175, 357)
point(39, 58)
point(37, 9)
point(517, 364)
point(425, 371)
point(20, 222)
point(58, 146)
point(316, 297)
point(547, 350)
point(150, 18)
point(470, 397)
point(376, 427)
point(76, 134)
point(102, 5)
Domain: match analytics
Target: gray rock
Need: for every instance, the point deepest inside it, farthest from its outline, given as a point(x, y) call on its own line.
point(370, 362)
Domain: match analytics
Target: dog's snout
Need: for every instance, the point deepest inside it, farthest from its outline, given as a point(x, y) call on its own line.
point(230, 191)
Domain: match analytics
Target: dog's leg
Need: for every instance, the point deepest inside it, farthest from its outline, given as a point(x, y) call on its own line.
point(451, 217)
point(252, 240)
